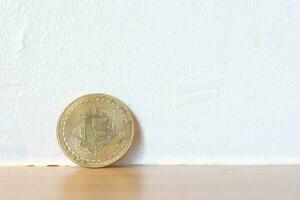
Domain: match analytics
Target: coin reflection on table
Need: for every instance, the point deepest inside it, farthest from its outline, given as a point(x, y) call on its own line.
point(95, 130)
point(109, 183)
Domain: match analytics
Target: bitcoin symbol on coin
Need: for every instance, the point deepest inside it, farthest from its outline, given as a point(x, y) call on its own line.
point(95, 130)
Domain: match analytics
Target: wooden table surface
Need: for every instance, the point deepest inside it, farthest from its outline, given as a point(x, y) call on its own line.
point(152, 182)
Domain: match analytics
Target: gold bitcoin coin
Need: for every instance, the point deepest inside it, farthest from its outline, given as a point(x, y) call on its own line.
point(95, 130)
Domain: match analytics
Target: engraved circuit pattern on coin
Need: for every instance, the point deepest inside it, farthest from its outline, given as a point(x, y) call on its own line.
point(95, 130)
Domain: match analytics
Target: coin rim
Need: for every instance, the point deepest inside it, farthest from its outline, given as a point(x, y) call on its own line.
point(85, 96)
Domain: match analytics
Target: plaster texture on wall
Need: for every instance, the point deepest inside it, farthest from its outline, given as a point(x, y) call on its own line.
point(209, 82)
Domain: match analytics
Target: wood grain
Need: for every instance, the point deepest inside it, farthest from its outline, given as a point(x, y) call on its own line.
point(160, 182)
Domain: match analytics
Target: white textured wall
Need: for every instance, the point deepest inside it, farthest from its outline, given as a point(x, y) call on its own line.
point(209, 81)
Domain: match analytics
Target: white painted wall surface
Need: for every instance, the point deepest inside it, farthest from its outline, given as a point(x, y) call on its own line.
point(210, 82)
